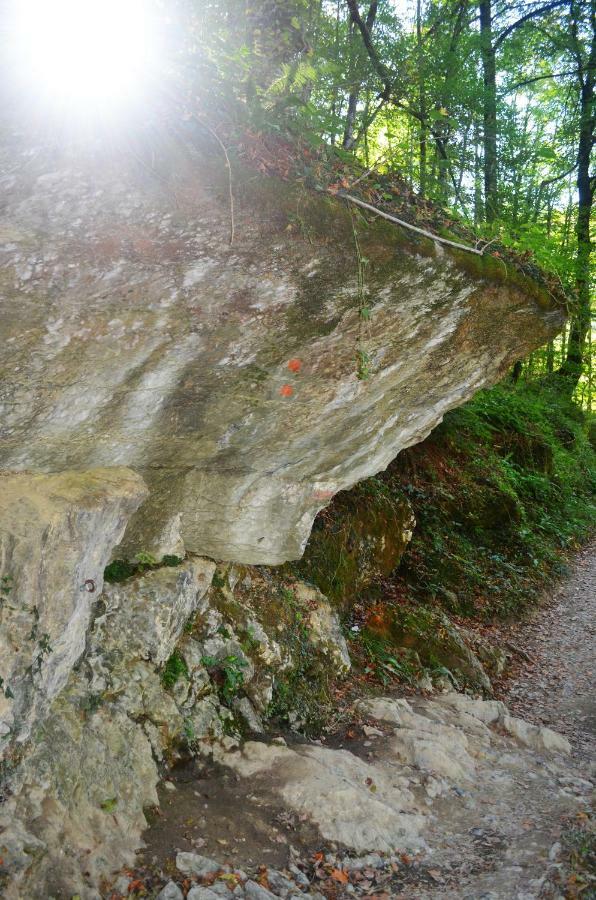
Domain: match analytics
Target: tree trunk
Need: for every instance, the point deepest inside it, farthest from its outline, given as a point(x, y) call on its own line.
point(571, 369)
point(422, 134)
point(348, 139)
point(489, 71)
point(349, 131)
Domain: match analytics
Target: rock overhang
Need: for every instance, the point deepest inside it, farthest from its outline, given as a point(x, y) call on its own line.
point(227, 375)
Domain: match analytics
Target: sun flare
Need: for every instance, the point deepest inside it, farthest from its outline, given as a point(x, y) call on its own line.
point(84, 53)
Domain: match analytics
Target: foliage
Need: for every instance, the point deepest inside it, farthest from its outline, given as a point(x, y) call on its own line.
point(502, 490)
point(174, 669)
point(227, 673)
point(383, 660)
point(490, 116)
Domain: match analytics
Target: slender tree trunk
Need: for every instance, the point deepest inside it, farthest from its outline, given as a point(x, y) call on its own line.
point(571, 369)
point(489, 71)
point(348, 139)
point(478, 207)
point(422, 131)
point(549, 216)
point(350, 126)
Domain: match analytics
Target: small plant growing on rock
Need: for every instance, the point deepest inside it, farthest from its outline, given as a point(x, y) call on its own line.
point(119, 570)
point(218, 581)
point(363, 364)
point(45, 648)
point(122, 569)
point(174, 669)
point(5, 688)
point(171, 561)
point(145, 560)
point(227, 673)
point(5, 587)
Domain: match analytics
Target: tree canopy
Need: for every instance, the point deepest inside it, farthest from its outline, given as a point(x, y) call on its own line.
point(484, 107)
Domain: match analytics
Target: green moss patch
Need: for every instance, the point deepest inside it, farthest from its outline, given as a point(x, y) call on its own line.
point(356, 542)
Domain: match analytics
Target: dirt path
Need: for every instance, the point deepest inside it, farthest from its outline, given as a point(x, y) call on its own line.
point(556, 685)
point(504, 830)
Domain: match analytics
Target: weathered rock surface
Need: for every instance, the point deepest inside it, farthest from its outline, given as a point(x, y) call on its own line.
point(74, 800)
point(332, 787)
point(171, 663)
point(133, 334)
point(374, 806)
point(446, 800)
point(56, 535)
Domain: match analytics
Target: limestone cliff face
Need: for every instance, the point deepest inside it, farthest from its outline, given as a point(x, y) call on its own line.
point(226, 376)
point(163, 390)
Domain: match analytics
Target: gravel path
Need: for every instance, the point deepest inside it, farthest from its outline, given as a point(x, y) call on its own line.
point(557, 685)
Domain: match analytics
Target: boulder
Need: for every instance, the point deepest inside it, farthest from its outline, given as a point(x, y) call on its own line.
point(240, 380)
point(437, 642)
point(360, 538)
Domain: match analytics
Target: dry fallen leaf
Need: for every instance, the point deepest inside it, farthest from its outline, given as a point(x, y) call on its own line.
point(339, 875)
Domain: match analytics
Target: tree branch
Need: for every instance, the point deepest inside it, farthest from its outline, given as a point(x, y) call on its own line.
point(423, 231)
point(548, 181)
point(378, 65)
point(535, 78)
point(531, 15)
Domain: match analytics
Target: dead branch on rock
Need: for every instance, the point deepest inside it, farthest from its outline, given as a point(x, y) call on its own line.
point(390, 218)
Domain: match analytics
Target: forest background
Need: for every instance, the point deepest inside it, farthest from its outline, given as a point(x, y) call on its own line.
point(484, 107)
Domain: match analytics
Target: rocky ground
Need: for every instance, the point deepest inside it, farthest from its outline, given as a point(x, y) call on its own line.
point(440, 796)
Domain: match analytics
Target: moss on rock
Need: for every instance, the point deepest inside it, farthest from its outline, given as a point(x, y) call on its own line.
point(357, 540)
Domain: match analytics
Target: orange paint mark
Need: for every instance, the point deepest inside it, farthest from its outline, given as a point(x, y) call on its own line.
point(286, 390)
point(295, 365)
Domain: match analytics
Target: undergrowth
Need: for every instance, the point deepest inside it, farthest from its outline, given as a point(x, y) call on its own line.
point(502, 491)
